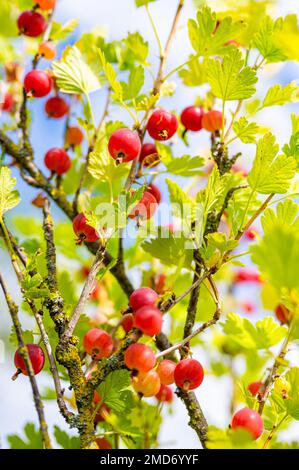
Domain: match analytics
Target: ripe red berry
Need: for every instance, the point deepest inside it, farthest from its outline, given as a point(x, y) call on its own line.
point(96, 291)
point(47, 50)
point(31, 23)
point(246, 275)
point(166, 371)
point(84, 232)
point(148, 384)
point(45, 4)
point(165, 394)
point(74, 136)
point(191, 118)
point(36, 356)
point(58, 161)
point(140, 357)
point(7, 102)
point(155, 191)
point(149, 155)
point(38, 83)
point(162, 125)
point(250, 234)
point(56, 107)
point(254, 388)
point(249, 420)
point(143, 296)
point(149, 320)
point(145, 208)
point(127, 322)
point(283, 314)
point(188, 374)
point(124, 145)
point(212, 121)
point(102, 443)
point(98, 343)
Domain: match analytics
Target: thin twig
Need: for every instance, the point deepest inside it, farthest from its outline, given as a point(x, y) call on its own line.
point(13, 310)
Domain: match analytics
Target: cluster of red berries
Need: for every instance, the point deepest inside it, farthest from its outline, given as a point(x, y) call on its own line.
point(194, 119)
point(146, 316)
point(150, 381)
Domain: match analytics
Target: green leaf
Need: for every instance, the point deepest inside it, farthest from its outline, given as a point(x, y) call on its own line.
point(27, 337)
point(111, 76)
point(194, 74)
point(229, 79)
point(102, 166)
point(264, 40)
point(186, 166)
point(32, 438)
point(292, 403)
point(9, 197)
point(269, 174)
point(207, 39)
point(141, 3)
point(227, 439)
point(59, 31)
point(169, 250)
point(137, 47)
point(246, 131)
point(278, 95)
point(114, 391)
point(265, 334)
point(64, 440)
point(74, 75)
point(135, 83)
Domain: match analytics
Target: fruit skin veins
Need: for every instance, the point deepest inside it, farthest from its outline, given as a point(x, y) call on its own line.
point(162, 124)
point(145, 208)
point(155, 191)
point(98, 343)
point(255, 387)
point(283, 314)
point(57, 160)
point(36, 356)
point(212, 121)
point(84, 232)
point(38, 83)
point(31, 23)
point(149, 320)
point(56, 107)
point(148, 384)
point(165, 394)
point(139, 357)
point(250, 420)
point(74, 136)
point(142, 296)
point(166, 371)
point(188, 374)
point(7, 103)
point(45, 4)
point(149, 155)
point(47, 50)
point(124, 145)
point(191, 118)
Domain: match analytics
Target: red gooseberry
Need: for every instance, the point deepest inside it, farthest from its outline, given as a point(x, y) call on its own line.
point(165, 394)
point(7, 102)
point(47, 50)
point(149, 155)
point(246, 275)
point(255, 387)
point(36, 356)
point(145, 208)
point(283, 314)
point(31, 23)
point(166, 371)
point(98, 343)
point(141, 297)
point(58, 161)
point(212, 121)
point(147, 384)
point(45, 4)
point(188, 374)
point(37, 83)
point(191, 118)
point(249, 420)
point(139, 357)
point(84, 232)
point(127, 322)
point(124, 145)
point(74, 136)
point(149, 320)
point(162, 124)
point(155, 191)
point(56, 107)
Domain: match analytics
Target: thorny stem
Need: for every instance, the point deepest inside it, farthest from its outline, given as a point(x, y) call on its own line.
point(13, 310)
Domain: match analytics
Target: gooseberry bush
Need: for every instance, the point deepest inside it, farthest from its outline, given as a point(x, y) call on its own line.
point(131, 259)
